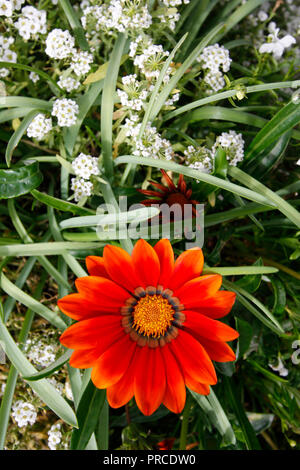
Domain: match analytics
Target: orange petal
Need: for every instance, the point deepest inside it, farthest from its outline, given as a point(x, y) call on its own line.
point(121, 392)
point(187, 266)
point(217, 350)
point(165, 255)
point(119, 266)
point(84, 358)
point(146, 263)
point(93, 332)
point(95, 266)
point(194, 291)
point(113, 363)
point(217, 306)
point(175, 394)
point(78, 307)
point(149, 380)
point(208, 328)
point(101, 290)
point(202, 389)
point(193, 358)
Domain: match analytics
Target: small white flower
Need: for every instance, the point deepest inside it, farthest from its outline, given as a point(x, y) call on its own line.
point(199, 158)
point(69, 84)
point(233, 144)
point(81, 63)
point(24, 413)
point(275, 45)
point(66, 111)
point(215, 58)
point(59, 44)
point(40, 354)
point(54, 436)
point(34, 77)
point(39, 127)
point(262, 16)
point(85, 165)
point(31, 23)
point(81, 187)
point(6, 8)
point(283, 371)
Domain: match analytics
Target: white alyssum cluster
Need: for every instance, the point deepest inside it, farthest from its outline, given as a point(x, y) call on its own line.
point(31, 23)
point(59, 44)
point(24, 413)
point(39, 127)
point(54, 436)
point(117, 15)
point(274, 45)
point(292, 17)
point(280, 368)
point(84, 167)
point(133, 94)
point(81, 63)
point(151, 144)
point(81, 187)
point(233, 144)
point(69, 84)
point(66, 111)
point(6, 54)
point(215, 60)
point(57, 385)
point(39, 353)
point(199, 158)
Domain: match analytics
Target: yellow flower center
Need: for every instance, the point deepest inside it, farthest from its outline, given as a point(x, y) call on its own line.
point(153, 315)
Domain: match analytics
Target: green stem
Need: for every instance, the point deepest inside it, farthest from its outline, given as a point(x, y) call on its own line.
point(185, 423)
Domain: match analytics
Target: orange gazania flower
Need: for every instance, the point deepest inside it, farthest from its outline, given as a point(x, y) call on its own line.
point(148, 326)
point(170, 194)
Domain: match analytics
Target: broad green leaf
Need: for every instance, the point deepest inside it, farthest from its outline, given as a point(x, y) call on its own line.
point(246, 332)
point(248, 431)
point(19, 180)
point(46, 249)
point(216, 415)
point(22, 101)
point(18, 134)
point(287, 118)
point(60, 204)
point(107, 103)
point(279, 296)
point(43, 388)
point(25, 299)
point(196, 174)
point(283, 206)
point(56, 365)
point(249, 271)
point(251, 283)
point(88, 414)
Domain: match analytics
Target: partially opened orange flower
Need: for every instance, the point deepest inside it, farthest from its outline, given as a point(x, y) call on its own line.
point(148, 325)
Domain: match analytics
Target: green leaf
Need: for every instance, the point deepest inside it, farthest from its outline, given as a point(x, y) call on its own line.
point(196, 174)
point(88, 413)
point(75, 24)
point(107, 103)
point(56, 365)
point(246, 332)
point(251, 283)
point(18, 134)
point(46, 249)
point(25, 299)
point(60, 204)
point(283, 206)
point(43, 388)
point(248, 431)
point(279, 296)
point(24, 102)
point(216, 415)
point(287, 118)
point(270, 157)
point(19, 180)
